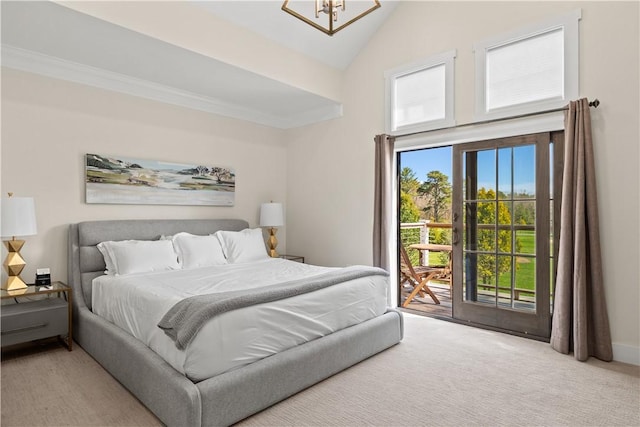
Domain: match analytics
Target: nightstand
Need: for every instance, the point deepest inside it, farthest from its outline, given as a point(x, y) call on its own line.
point(296, 258)
point(39, 312)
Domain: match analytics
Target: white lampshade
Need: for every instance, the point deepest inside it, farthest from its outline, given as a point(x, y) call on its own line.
point(18, 217)
point(271, 215)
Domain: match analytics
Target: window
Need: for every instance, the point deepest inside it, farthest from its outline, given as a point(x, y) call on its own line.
point(530, 70)
point(419, 96)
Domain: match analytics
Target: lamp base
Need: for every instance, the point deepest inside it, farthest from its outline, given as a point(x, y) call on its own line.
point(273, 242)
point(14, 265)
point(14, 283)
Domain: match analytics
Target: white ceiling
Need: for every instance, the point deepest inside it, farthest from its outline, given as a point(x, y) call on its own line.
point(50, 39)
point(267, 19)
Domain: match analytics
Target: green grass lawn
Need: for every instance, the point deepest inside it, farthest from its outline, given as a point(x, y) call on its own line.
point(525, 266)
point(527, 241)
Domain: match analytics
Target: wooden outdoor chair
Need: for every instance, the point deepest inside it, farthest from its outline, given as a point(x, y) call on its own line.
point(418, 277)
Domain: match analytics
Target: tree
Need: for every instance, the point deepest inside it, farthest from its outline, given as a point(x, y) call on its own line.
point(202, 170)
point(409, 182)
point(486, 214)
point(437, 190)
point(409, 212)
point(524, 212)
point(217, 173)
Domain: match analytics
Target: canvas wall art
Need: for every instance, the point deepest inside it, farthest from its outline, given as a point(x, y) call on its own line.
point(123, 180)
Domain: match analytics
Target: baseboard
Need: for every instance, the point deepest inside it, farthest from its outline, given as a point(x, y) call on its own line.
point(626, 354)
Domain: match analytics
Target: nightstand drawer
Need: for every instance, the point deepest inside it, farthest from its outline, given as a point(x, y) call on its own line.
point(34, 320)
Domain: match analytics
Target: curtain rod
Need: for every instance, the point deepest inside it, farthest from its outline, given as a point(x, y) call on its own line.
point(593, 104)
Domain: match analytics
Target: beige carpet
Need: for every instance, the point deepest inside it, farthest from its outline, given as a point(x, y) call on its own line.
point(442, 374)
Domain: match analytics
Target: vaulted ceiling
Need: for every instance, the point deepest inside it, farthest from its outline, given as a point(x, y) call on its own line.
point(102, 47)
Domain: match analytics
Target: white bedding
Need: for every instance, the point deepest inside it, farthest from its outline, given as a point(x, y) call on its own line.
point(137, 302)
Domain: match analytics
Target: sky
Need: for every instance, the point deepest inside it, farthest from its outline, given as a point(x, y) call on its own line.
point(426, 160)
point(520, 161)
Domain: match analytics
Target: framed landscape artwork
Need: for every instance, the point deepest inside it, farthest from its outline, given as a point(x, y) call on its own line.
point(123, 180)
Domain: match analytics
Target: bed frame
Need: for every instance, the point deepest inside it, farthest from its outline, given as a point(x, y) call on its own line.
point(226, 398)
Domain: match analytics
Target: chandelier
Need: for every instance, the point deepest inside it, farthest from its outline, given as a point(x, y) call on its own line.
point(334, 12)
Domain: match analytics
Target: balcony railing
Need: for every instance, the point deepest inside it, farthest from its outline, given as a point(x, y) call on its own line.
point(519, 294)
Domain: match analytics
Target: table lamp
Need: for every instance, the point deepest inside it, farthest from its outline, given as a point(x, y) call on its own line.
point(18, 218)
point(271, 216)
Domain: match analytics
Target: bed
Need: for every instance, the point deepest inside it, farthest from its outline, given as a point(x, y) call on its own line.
point(225, 395)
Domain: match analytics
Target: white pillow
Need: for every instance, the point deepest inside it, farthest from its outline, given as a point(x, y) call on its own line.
point(111, 268)
point(243, 246)
point(138, 256)
point(198, 251)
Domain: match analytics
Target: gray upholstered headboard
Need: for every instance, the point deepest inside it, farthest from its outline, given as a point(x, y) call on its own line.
point(86, 263)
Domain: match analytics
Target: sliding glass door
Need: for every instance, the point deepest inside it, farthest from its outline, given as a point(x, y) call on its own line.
point(503, 233)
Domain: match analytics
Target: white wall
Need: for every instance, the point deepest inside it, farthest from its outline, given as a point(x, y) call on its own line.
point(330, 200)
point(48, 125)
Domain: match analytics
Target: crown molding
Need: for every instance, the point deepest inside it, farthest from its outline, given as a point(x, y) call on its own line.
point(310, 117)
point(49, 66)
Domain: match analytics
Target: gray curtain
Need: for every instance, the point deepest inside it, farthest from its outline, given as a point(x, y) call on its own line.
point(580, 321)
point(383, 204)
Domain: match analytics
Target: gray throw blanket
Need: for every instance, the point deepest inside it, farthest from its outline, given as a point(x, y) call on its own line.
point(183, 321)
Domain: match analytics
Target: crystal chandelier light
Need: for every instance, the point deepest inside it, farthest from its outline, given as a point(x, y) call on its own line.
point(333, 11)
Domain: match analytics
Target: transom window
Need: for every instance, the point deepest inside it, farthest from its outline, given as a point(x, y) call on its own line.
point(530, 70)
point(419, 96)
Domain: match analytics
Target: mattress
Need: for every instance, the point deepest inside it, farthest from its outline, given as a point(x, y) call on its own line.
point(137, 302)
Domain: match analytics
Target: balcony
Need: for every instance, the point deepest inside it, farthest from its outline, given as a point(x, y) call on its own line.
point(488, 293)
